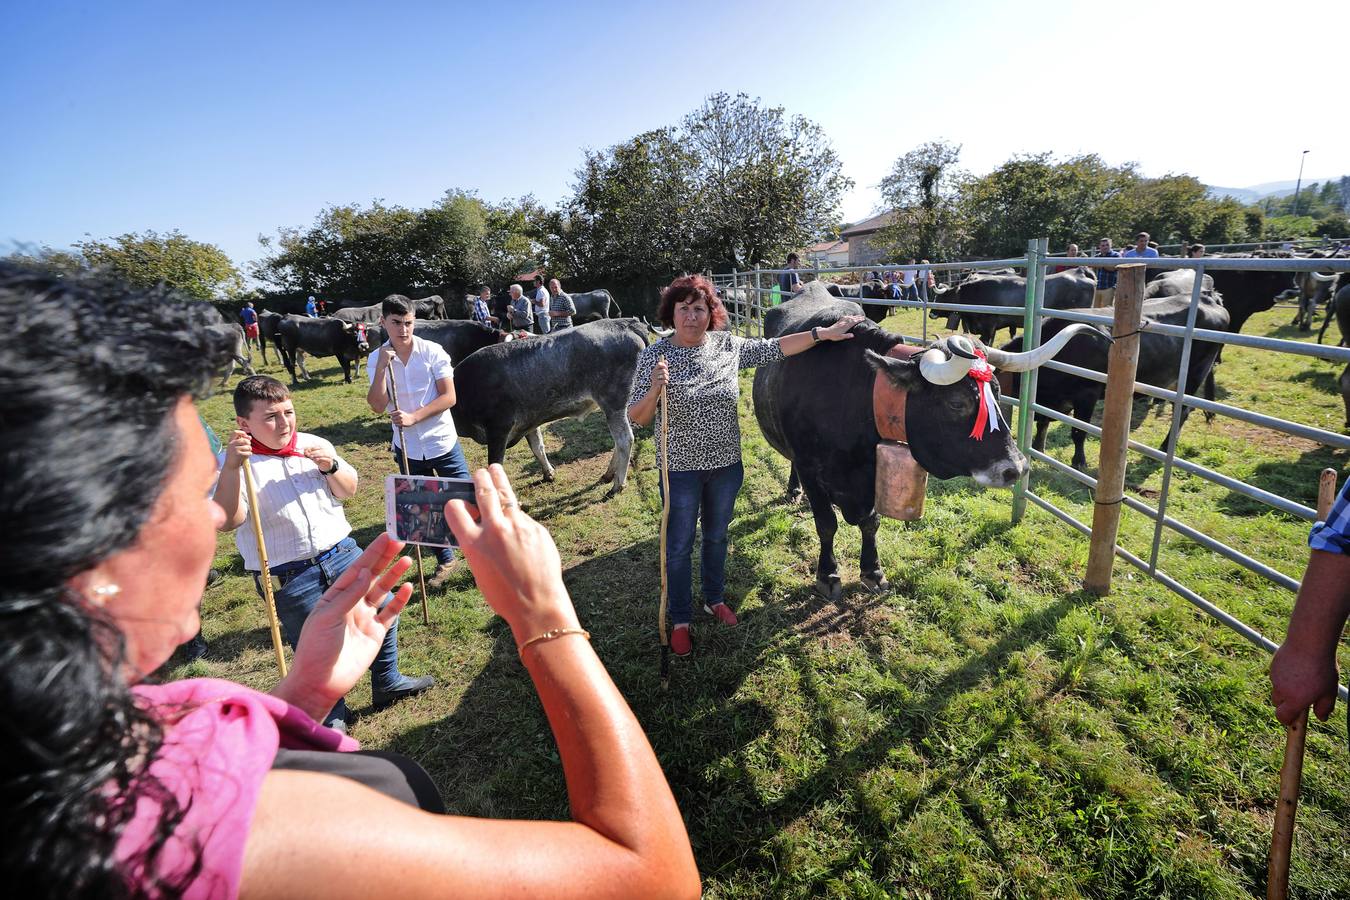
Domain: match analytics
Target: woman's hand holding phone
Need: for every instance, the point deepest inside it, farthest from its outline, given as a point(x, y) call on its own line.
point(513, 558)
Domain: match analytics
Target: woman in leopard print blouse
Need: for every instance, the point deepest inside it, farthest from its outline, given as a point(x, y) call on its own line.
point(697, 367)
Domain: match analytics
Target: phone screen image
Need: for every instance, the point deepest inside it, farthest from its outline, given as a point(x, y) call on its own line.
point(415, 507)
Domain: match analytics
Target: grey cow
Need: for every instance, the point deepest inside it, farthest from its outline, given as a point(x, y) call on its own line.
point(508, 391)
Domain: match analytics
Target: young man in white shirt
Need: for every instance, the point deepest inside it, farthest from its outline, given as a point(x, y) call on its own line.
point(540, 303)
point(301, 483)
point(425, 383)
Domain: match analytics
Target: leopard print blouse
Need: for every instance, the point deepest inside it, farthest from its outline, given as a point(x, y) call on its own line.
point(702, 394)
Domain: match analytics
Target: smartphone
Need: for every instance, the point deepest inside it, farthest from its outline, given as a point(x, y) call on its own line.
point(414, 507)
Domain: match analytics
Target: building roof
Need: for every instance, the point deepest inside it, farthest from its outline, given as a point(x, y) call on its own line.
point(828, 247)
point(867, 226)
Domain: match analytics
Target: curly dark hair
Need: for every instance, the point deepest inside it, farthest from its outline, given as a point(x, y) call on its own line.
point(90, 373)
point(689, 287)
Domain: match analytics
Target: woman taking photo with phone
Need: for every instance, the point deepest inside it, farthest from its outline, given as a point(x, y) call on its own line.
point(201, 788)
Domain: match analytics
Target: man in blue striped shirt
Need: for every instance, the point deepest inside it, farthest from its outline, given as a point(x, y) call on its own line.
point(1106, 278)
point(1303, 672)
point(481, 314)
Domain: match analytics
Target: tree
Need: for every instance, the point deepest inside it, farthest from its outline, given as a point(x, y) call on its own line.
point(45, 259)
point(368, 252)
point(763, 183)
point(1033, 196)
point(197, 269)
point(923, 193)
point(630, 220)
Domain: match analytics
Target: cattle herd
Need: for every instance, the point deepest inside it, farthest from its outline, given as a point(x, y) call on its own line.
point(816, 408)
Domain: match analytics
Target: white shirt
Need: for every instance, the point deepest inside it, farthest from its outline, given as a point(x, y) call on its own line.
point(541, 299)
point(300, 516)
point(416, 386)
point(907, 278)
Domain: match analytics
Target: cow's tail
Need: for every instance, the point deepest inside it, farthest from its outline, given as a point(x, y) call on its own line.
point(612, 310)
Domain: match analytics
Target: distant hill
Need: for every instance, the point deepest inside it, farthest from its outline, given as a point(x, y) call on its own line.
point(1257, 192)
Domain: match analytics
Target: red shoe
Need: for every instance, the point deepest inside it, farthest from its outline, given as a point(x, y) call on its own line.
point(680, 642)
point(722, 613)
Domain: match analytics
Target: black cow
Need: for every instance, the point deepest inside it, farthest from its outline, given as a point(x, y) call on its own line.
point(1314, 290)
point(240, 356)
point(849, 291)
point(815, 408)
point(432, 307)
point(268, 324)
point(508, 391)
point(300, 335)
point(1247, 293)
point(369, 314)
point(1159, 360)
point(593, 306)
point(1176, 281)
point(1070, 289)
point(459, 338)
point(1340, 311)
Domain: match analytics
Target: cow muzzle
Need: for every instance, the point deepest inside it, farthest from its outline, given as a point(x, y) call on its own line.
point(1003, 473)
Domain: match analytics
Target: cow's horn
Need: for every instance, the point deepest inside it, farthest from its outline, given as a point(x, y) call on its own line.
point(1318, 276)
point(961, 346)
point(1031, 359)
point(938, 365)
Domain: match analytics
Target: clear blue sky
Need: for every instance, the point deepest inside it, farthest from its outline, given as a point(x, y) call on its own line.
point(229, 120)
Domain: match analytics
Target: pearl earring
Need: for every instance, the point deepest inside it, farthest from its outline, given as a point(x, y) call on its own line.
point(103, 592)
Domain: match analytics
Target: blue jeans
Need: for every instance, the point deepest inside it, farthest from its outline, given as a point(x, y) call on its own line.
point(541, 324)
point(300, 593)
point(713, 492)
point(450, 465)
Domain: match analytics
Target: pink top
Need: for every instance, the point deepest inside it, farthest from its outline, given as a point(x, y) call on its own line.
point(220, 740)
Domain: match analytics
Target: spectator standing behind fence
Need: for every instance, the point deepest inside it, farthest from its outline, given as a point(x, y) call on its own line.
point(1195, 251)
point(788, 282)
point(1106, 278)
point(923, 278)
point(539, 302)
point(301, 485)
point(1303, 672)
point(311, 307)
point(908, 291)
point(1141, 248)
point(521, 317)
point(561, 309)
point(1071, 251)
point(481, 313)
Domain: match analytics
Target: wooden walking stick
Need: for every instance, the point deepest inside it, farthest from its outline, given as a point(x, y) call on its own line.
point(665, 524)
point(265, 574)
point(403, 455)
point(1291, 772)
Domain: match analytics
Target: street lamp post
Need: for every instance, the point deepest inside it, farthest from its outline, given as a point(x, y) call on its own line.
point(1299, 184)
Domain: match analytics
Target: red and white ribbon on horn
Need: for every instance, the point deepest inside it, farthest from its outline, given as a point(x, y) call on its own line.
point(988, 413)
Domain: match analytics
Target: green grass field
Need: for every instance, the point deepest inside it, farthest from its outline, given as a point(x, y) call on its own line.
point(987, 729)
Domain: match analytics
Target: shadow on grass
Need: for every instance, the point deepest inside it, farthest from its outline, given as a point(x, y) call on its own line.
point(494, 754)
point(1295, 480)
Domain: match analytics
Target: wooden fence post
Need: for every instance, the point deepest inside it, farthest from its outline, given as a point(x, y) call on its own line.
point(1120, 374)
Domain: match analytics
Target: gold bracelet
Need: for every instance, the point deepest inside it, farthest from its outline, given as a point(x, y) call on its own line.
point(550, 635)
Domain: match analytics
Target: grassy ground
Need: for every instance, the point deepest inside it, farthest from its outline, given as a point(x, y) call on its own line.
point(987, 729)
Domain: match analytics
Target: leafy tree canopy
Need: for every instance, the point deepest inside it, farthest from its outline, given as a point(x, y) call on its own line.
point(197, 269)
point(356, 252)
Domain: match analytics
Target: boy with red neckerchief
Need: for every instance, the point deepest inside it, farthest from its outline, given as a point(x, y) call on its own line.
point(301, 483)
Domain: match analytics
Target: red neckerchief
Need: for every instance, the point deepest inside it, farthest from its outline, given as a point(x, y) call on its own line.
point(988, 414)
point(263, 450)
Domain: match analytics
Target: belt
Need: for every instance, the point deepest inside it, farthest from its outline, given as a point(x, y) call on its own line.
point(300, 565)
